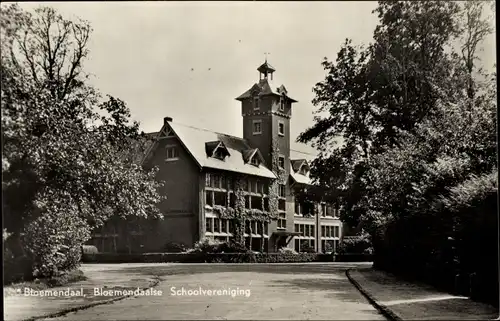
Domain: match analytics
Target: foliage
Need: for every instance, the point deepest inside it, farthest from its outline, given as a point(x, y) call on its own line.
point(305, 247)
point(287, 250)
point(355, 245)
point(406, 129)
point(207, 245)
point(241, 257)
point(66, 151)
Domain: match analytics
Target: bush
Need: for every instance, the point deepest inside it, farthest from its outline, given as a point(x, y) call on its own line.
point(199, 257)
point(287, 250)
point(232, 247)
point(172, 247)
point(306, 247)
point(208, 245)
point(53, 240)
point(356, 245)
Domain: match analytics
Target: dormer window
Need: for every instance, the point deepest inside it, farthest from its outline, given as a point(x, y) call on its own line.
point(303, 170)
point(216, 149)
point(219, 154)
point(254, 161)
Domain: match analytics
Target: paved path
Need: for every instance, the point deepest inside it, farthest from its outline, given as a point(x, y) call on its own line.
point(20, 307)
point(410, 301)
point(277, 291)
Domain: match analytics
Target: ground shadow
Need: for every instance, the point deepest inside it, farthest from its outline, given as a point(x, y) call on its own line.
point(187, 269)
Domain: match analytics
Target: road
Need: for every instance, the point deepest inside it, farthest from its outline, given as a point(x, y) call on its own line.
point(259, 291)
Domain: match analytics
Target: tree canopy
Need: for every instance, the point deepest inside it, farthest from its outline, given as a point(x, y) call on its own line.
point(67, 151)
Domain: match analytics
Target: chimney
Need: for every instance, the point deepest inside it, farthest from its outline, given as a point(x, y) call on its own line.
point(167, 119)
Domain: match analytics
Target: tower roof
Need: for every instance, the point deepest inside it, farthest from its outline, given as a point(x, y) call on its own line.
point(266, 68)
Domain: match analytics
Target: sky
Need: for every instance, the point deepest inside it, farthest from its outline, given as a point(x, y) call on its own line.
point(190, 60)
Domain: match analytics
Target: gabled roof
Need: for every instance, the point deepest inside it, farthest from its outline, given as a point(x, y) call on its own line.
point(212, 147)
point(251, 153)
point(299, 178)
point(266, 88)
point(297, 164)
point(195, 139)
point(297, 160)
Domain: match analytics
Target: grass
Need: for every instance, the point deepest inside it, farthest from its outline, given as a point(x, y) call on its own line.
point(42, 284)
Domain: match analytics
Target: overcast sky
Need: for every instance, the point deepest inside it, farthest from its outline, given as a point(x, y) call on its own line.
point(189, 60)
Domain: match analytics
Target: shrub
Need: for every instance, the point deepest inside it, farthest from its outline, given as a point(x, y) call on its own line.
point(356, 245)
point(232, 247)
point(172, 247)
point(53, 240)
point(306, 247)
point(207, 245)
point(287, 250)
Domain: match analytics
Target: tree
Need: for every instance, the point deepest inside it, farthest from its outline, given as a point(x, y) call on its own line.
point(65, 164)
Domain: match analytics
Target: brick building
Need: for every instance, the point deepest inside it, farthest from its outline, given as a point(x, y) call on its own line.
point(207, 173)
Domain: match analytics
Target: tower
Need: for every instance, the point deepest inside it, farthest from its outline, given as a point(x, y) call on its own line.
point(266, 111)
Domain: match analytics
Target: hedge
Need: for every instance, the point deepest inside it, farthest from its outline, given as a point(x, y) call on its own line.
point(221, 258)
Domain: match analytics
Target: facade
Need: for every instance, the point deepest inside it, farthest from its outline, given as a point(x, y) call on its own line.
point(208, 175)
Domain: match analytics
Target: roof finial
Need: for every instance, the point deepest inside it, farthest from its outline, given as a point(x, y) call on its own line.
point(266, 53)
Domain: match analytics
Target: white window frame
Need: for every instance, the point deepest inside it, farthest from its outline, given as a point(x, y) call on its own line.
point(279, 158)
point(279, 126)
point(282, 104)
point(175, 152)
point(259, 121)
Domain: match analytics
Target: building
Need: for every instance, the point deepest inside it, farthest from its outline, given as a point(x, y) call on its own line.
point(207, 174)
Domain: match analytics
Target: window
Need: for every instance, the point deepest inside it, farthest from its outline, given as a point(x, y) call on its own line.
point(296, 228)
point(171, 153)
point(329, 211)
point(257, 127)
point(254, 161)
point(297, 245)
point(256, 103)
point(231, 226)
point(232, 200)
point(307, 231)
point(247, 201)
point(260, 228)
point(281, 161)
point(209, 225)
point(266, 228)
point(219, 154)
point(336, 231)
point(282, 104)
point(282, 190)
point(208, 198)
point(208, 179)
point(216, 225)
point(282, 220)
point(323, 210)
point(247, 227)
point(312, 244)
point(224, 226)
point(220, 198)
point(281, 129)
point(312, 230)
point(302, 229)
point(297, 208)
point(323, 231)
point(216, 181)
point(253, 186)
point(281, 205)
